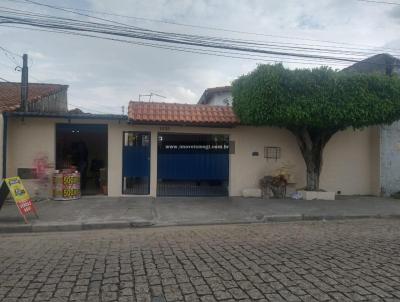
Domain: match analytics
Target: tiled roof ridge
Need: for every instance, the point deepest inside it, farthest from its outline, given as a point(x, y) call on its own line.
point(159, 112)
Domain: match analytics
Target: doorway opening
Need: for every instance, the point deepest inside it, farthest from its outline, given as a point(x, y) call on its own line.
point(84, 148)
point(136, 163)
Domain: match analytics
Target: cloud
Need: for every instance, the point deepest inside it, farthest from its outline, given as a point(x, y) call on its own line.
point(395, 13)
point(309, 22)
point(105, 75)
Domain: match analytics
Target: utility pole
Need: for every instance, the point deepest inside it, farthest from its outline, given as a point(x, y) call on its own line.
point(24, 83)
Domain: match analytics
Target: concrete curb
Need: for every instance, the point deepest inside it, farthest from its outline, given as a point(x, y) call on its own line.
point(84, 226)
point(71, 227)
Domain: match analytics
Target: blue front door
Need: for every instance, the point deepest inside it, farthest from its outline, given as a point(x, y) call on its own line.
point(136, 163)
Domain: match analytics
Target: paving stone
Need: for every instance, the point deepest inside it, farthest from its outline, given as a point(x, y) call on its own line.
point(291, 262)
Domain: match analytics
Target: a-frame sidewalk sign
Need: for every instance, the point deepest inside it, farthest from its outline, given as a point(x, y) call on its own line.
point(20, 195)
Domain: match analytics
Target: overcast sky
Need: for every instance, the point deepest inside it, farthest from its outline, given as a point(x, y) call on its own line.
point(104, 75)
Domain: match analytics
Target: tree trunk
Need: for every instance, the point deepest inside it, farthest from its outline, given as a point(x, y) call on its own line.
point(313, 160)
point(312, 143)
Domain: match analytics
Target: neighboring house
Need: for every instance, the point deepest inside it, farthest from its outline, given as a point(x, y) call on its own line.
point(217, 96)
point(41, 98)
point(381, 63)
point(389, 135)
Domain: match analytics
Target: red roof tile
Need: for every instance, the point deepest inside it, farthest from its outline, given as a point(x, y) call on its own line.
point(173, 113)
point(10, 93)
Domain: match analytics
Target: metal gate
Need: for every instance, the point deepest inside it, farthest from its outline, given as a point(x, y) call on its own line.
point(136, 163)
point(195, 165)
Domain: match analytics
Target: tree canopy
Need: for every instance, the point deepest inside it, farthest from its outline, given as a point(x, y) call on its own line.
point(319, 98)
point(314, 105)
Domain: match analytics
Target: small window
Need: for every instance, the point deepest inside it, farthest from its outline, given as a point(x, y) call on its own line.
point(272, 152)
point(136, 139)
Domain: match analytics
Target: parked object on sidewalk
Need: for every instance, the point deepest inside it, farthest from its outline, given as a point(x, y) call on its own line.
point(66, 185)
point(296, 195)
point(23, 201)
point(275, 184)
point(317, 195)
point(253, 192)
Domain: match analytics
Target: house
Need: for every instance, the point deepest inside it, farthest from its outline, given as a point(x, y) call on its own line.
point(381, 63)
point(389, 135)
point(41, 98)
point(164, 149)
point(217, 96)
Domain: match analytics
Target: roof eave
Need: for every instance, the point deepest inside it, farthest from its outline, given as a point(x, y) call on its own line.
point(185, 124)
point(65, 115)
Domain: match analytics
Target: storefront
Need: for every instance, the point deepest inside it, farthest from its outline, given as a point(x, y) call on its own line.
point(84, 148)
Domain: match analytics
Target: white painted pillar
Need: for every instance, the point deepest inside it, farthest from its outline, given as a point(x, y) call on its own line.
point(153, 162)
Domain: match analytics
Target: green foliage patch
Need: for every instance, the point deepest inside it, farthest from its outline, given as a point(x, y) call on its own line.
point(319, 98)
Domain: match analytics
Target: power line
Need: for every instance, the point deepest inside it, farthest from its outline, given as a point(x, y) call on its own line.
point(35, 78)
point(9, 51)
point(10, 54)
point(164, 37)
point(204, 44)
point(380, 2)
point(9, 82)
point(280, 45)
point(88, 109)
point(258, 58)
point(204, 27)
point(8, 66)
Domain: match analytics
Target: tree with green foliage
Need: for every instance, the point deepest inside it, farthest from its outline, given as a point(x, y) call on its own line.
point(314, 105)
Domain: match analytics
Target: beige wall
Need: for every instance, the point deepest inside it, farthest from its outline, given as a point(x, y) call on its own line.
point(350, 158)
point(350, 162)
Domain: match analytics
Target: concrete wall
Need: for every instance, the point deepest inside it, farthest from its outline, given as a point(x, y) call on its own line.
point(390, 159)
point(56, 102)
point(350, 163)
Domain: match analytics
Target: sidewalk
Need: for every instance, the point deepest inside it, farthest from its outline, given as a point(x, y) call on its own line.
point(106, 212)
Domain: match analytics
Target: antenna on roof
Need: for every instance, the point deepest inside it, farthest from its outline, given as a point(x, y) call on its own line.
point(151, 95)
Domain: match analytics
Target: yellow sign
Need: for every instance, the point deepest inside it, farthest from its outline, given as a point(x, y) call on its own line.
point(20, 196)
point(17, 189)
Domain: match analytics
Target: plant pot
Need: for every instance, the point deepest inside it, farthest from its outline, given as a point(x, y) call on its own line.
point(318, 195)
point(104, 189)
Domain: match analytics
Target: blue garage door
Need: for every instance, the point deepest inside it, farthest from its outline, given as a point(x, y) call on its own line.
point(193, 165)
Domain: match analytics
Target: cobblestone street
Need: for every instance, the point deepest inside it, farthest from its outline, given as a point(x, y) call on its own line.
point(306, 261)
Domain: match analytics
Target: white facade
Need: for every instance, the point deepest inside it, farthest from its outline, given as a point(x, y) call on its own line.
point(221, 99)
